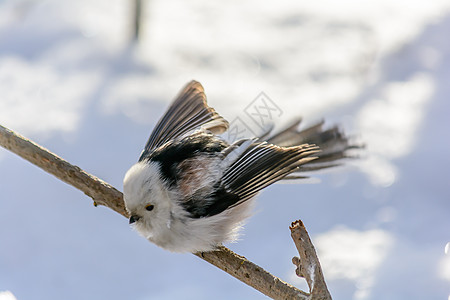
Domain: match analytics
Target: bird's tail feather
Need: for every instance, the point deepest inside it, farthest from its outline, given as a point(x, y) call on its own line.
point(334, 145)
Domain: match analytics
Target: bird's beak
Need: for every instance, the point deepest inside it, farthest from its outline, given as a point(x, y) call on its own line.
point(134, 218)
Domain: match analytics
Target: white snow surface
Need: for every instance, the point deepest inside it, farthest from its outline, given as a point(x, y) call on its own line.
point(71, 80)
point(7, 295)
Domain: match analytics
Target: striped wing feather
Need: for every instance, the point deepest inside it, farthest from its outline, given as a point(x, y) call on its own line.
point(188, 112)
point(262, 164)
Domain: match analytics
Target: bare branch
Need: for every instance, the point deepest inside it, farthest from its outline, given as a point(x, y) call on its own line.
point(252, 274)
point(308, 265)
point(101, 192)
point(104, 194)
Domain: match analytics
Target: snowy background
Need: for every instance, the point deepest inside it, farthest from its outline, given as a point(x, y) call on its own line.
point(71, 80)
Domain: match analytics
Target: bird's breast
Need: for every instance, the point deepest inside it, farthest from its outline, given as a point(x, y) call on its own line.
point(198, 175)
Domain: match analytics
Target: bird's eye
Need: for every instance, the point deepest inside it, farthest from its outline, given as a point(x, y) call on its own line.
point(149, 207)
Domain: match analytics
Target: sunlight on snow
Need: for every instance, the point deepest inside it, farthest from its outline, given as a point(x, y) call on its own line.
point(444, 268)
point(390, 125)
point(36, 98)
point(444, 265)
point(7, 295)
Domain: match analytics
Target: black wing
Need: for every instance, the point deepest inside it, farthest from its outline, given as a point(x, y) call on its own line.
point(188, 112)
point(333, 143)
point(249, 167)
point(262, 164)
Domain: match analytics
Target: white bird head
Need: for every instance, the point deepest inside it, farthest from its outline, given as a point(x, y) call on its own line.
point(146, 199)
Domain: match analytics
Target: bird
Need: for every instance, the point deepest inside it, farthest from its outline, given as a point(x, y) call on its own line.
point(192, 191)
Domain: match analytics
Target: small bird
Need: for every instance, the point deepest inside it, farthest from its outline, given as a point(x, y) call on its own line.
point(191, 190)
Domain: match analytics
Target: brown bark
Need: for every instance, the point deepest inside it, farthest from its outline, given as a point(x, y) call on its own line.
point(308, 265)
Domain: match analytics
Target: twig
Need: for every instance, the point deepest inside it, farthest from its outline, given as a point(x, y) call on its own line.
point(104, 194)
point(308, 265)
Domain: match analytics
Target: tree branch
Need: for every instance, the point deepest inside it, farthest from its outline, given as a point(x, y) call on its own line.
point(308, 265)
point(252, 274)
point(104, 194)
point(101, 192)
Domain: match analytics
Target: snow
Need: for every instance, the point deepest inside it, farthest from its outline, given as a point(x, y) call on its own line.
point(71, 80)
point(444, 268)
point(29, 89)
point(390, 124)
point(7, 295)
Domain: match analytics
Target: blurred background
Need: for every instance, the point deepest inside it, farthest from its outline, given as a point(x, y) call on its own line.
point(75, 79)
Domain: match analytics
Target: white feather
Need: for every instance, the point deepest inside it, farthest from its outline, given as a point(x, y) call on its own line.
point(168, 224)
